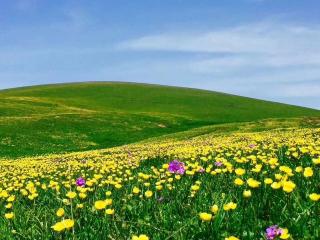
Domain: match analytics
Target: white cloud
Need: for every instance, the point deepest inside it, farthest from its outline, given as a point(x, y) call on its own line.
point(267, 58)
point(270, 38)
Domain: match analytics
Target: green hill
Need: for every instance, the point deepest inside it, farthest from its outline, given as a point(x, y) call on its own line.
point(83, 116)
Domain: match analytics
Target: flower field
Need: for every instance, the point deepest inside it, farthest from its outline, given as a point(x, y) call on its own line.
point(262, 185)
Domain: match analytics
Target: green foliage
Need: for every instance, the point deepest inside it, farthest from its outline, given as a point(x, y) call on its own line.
point(76, 117)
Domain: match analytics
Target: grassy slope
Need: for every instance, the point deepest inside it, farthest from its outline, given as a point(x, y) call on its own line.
point(83, 116)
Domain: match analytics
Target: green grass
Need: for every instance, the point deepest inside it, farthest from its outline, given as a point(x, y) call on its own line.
point(84, 116)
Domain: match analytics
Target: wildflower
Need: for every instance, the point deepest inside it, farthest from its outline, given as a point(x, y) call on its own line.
point(159, 187)
point(71, 195)
point(288, 186)
point(108, 193)
point(284, 233)
point(247, 193)
point(238, 181)
point(99, 205)
point(230, 206)
point(240, 171)
point(108, 201)
point(206, 217)
point(82, 195)
point(316, 161)
point(272, 232)
point(253, 183)
point(9, 215)
point(268, 181)
point(109, 211)
point(136, 190)
point(8, 206)
point(60, 212)
point(215, 209)
point(58, 227)
point(176, 167)
point(276, 185)
point(68, 223)
point(64, 224)
point(148, 194)
point(314, 196)
point(195, 187)
point(11, 198)
point(218, 164)
point(81, 182)
point(232, 238)
point(308, 172)
point(79, 205)
point(140, 237)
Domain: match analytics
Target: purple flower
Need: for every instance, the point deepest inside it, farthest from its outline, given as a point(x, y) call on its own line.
point(252, 146)
point(201, 170)
point(272, 232)
point(218, 164)
point(81, 182)
point(176, 167)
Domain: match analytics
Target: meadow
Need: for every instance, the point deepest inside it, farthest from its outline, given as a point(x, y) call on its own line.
point(63, 118)
point(192, 171)
point(233, 186)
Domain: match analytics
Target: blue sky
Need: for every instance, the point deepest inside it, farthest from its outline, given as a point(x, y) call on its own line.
point(267, 49)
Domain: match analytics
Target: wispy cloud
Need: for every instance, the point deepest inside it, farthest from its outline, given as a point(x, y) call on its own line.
point(266, 37)
point(266, 59)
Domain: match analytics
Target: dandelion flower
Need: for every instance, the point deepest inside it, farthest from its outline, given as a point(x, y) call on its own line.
point(206, 217)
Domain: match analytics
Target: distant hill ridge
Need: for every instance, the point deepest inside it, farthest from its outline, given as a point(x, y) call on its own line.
point(92, 115)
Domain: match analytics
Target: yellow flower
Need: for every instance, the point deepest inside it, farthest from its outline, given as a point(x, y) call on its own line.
point(230, 206)
point(240, 171)
point(268, 181)
point(195, 187)
point(238, 181)
point(60, 212)
point(148, 194)
point(99, 205)
point(136, 190)
point(247, 193)
point(215, 209)
point(82, 195)
point(288, 186)
point(58, 227)
point(253, 183)
point(11, 198)
point(206, 217)
point(64, 224)
point(299, 169)
point(68, 223)
point(140, 237)
point(159, 187)
point(8, 206)
point(9, 215)
point(316, 161)
point(276, 185)
point(79, 205)
point(232, 238)
point(109, 211)
point(285, 233)
point(108, 193)
point(71, 195)
point(314, 196)
point(308, 172)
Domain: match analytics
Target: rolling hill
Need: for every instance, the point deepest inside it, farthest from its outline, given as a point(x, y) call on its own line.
point(83, 116)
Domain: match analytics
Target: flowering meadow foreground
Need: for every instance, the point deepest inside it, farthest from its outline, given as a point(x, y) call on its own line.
point(238, 186)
